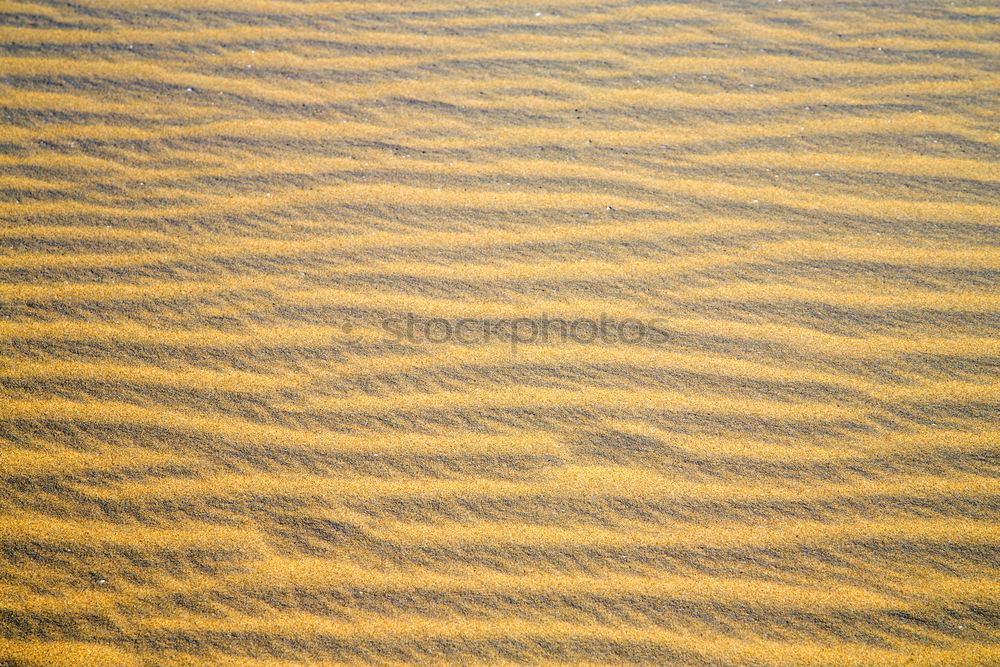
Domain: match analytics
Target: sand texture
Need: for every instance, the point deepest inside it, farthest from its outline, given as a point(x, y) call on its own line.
point(234, 428)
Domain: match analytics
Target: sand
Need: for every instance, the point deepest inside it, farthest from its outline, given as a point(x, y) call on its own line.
point(499, 333)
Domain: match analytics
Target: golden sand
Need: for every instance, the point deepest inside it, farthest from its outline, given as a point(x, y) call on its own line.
point(219, 448)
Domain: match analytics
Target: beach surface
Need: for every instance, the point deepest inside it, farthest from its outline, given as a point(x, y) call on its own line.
point(497, 333)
